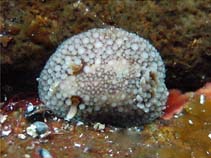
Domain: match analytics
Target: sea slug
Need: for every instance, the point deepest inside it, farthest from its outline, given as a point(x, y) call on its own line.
point(106, 75)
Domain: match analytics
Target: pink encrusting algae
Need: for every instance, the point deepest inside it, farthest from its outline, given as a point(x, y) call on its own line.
point(177, 100)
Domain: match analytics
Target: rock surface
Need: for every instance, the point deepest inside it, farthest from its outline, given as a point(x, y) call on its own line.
point(189, 134)
point(31, 31)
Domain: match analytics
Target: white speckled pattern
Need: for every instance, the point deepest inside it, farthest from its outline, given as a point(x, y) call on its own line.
point(119, 74)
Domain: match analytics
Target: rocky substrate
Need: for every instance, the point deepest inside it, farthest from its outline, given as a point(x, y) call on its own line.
point(33, 133)
point(31, 31)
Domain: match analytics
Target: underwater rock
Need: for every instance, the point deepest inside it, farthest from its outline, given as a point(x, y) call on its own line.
point(44, 153)
point(38, 128)
point(179, 30)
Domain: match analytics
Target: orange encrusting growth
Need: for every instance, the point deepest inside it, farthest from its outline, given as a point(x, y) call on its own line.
point(175, 103)
point(176, 100)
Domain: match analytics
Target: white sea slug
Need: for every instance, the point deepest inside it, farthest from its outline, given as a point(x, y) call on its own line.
point(105, 75)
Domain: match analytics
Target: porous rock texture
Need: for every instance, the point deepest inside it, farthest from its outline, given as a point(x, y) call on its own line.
point(32, 30)
point(107, 75)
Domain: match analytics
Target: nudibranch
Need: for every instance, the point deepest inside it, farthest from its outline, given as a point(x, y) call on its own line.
point(105, 75)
